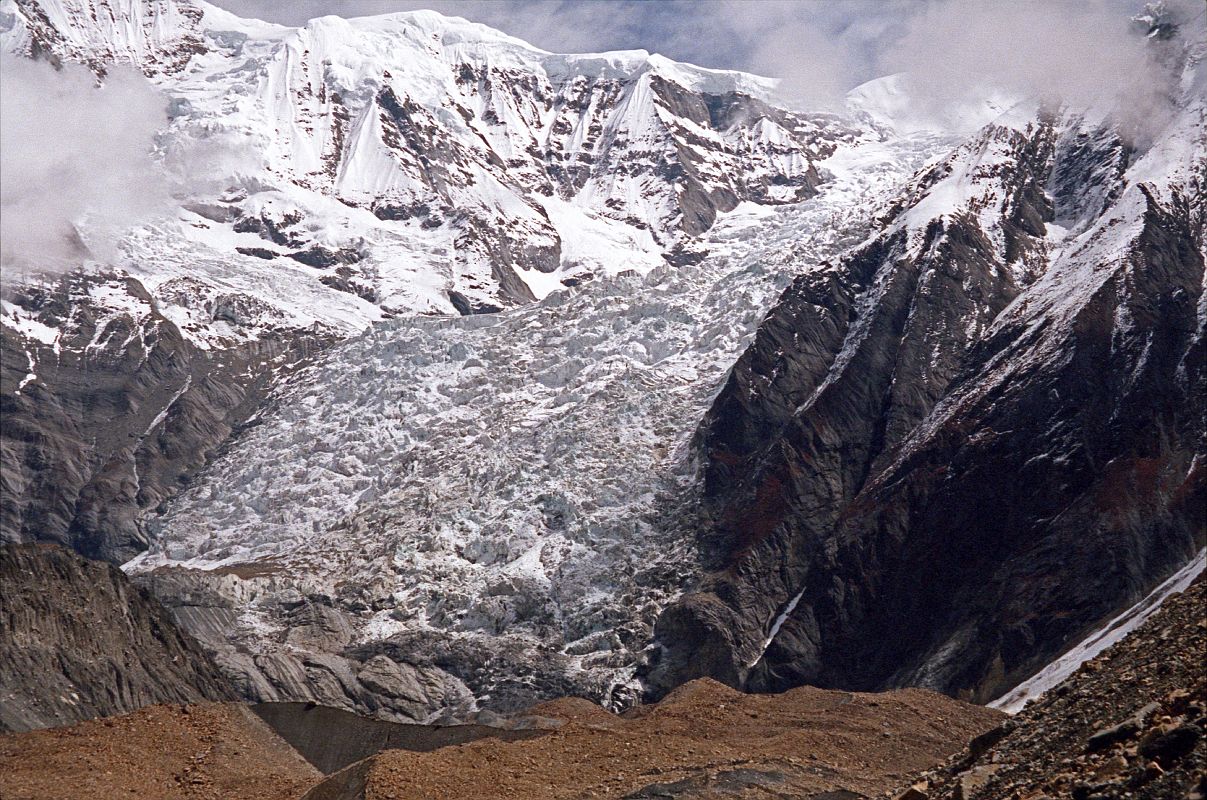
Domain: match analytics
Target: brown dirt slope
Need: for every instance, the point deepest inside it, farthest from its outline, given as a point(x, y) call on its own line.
point(704, 740)
point(192, 752)
point(78, 641)
point(1128, 724)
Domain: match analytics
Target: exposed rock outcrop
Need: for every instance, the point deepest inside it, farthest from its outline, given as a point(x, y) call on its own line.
point(113, 415)
point(309, 654)
point(952, 453)
point(78, 641)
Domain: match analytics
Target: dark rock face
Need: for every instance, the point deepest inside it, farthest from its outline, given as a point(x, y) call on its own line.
point(78, 641)
point(121, 412)
point(934, 468)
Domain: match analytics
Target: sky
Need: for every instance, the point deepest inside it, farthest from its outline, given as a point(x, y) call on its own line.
point(725, 34)
point(819, 48)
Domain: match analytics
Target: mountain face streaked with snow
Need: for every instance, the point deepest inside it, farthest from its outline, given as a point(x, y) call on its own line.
point(467, 374)
point(424, 164)
point(343, 173)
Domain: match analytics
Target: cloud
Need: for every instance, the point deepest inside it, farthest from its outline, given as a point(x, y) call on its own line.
point(722, 34)
point(75, 158)
point(820, 49)
point(567, 26)
point(1086, 54)
point(1079, 51)
point(1083, 52)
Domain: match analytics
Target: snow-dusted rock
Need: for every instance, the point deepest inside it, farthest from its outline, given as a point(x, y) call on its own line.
point(419, 163)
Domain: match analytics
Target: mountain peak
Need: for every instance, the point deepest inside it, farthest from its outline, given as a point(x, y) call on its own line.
point(436, 164)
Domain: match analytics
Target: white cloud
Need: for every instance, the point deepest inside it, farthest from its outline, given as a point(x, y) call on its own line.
point(1084, 53)
point(1079, 49)
point(72, 151)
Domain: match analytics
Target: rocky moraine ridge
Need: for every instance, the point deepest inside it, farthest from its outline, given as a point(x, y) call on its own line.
point(1129, 723)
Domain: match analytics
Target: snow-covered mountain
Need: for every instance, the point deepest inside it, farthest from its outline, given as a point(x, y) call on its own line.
point(421, 163)
point(512, 489)
point(574, 453)
point(330, 177)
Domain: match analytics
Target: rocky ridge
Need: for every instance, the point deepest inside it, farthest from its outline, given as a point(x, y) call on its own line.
point(78, 641)
point(109, 409)
point(952, 452)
